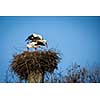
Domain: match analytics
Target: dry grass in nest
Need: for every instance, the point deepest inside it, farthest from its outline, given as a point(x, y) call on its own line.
point(34, 62)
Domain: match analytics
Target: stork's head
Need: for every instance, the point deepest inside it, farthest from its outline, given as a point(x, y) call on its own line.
point(37, 35)
point(34, 34)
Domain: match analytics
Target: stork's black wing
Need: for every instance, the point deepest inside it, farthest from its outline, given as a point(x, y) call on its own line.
point(29, 38)
point(35, 39)
point(40, 43)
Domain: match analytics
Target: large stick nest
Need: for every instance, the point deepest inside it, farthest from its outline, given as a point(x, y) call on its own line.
point(34, 61)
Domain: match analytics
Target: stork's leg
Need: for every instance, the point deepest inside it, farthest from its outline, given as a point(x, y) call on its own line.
point(27, 49)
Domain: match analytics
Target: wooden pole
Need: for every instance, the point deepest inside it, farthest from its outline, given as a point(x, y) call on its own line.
point(34, 77)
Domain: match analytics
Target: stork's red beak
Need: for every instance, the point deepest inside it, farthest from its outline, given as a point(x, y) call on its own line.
point(46, 45)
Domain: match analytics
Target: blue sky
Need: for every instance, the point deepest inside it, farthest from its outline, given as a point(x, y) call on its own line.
point(77, 38)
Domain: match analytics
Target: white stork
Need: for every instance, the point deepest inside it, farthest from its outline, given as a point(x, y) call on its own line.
point(34, 37)
point(36, 41)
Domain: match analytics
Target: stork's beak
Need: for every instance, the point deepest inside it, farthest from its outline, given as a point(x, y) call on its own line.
point(46, 45)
